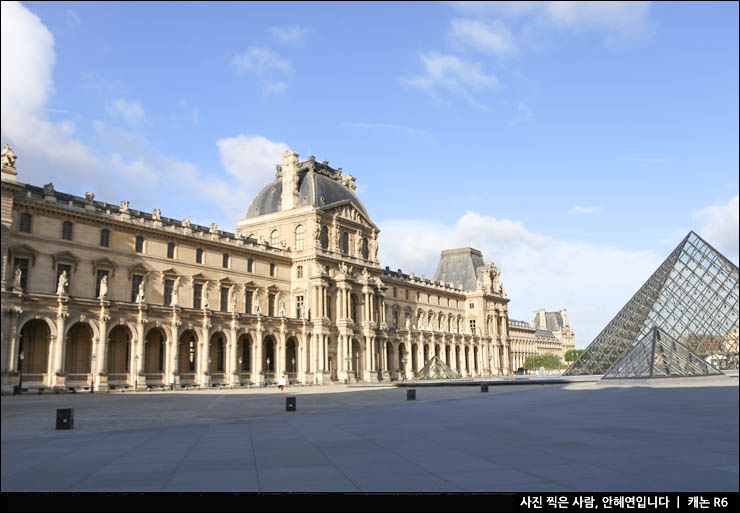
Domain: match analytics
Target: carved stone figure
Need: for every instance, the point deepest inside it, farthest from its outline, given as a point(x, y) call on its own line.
point(408, 322)
point(89, 196)
point(186, 222)
point(336, 234)
point(156, 214)
point(8, 157)
point(214, 228)
point(365, 274)
point(140, 294)
point(103, 287)
point(373, 246)
point(17, 277)
point(124, 206)
point(49, 189)
point(233, 300)
point(175, 294)
point(317, 235)
point(358, 243)
point(62, 283)
point(204, 298)
point(257, 306)
point(281, 311)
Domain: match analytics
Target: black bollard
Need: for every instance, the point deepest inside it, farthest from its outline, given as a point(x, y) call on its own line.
point(290, 404)
point(411, 394)
point(65, 418)
point(484, 387)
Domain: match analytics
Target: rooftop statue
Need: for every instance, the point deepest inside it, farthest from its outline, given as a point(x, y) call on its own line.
point(8, 157)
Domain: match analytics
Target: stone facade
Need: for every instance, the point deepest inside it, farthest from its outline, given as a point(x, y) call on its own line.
point(101, 295)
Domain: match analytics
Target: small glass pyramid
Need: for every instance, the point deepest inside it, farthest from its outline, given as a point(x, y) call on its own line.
point(693, 297)
point(436, 369)
point(658, 355)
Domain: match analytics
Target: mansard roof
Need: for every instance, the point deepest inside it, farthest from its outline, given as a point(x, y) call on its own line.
point(460, 266)
point(318, 186)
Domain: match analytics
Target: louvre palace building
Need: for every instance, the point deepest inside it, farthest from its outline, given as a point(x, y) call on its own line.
point(98, 296)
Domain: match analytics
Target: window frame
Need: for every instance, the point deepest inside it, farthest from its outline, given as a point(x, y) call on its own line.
point(24, 222)
point(105, 237)
point(67, 230)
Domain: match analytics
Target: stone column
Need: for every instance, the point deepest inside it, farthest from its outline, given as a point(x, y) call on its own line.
point(257, 374)
point(232, 367)
point(280, 353)
point(139, 379)
point(100, 378)
point(58, 349)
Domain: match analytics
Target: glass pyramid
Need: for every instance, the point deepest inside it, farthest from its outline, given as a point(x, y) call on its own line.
point(693, 297)
point(436, 369)
point(658, 355)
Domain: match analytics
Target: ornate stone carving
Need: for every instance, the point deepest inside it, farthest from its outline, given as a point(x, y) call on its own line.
point(214, 228)
point(124, 206)
point(186, 222)
point(103, 287)
point(62, 283)
point(8, 157)
point(89, 196)
point(157, 214)
point(140, 294)
point(17, 277)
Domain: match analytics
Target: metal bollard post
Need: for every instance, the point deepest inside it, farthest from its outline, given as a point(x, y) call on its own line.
point(484, 387)
point(411, 394)
point(290, 404)
point(65, 418)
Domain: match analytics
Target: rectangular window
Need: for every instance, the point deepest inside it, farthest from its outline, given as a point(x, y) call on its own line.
point(299, 271)
point(224, 299)
point(105, 237)
point(272, 269)
point(139, 244)
point(66, 230)
point(407, 293)
point(98, 279)
point(248, 301)
point(22, 264)
point(395, 319)
point(197, 295)
point(225, 261)
point(250, 265)
point(299, 307)
point(471, 306)
point(25, 223)
point(472, 326)
point(169, 286)
point(271, 305)
point(136, 280)
point(198, 256)
point(61, 268)
point(170, 250)
point(395, 291)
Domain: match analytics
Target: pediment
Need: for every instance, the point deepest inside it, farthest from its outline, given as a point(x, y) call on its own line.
point(138, 269)
point(24, 250)
point(169, 272)
point(65, 257)
point(200, 277)
point(104, 263)
point(345, 209)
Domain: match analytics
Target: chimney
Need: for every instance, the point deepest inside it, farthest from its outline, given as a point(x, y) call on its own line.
point(289, 198)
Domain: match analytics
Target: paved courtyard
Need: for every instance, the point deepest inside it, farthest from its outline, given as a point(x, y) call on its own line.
point(670, 435)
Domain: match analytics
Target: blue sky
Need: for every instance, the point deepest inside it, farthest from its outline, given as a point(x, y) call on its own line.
point(575, 144)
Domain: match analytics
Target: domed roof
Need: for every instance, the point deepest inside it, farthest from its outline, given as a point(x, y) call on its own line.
point(314, 189)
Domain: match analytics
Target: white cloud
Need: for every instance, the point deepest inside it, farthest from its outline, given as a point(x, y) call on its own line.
point(524, 113)
point(619, 22)
point(289, 34)
point(578, 210)
point(130, 111)
point(452, 74)
point(27, 85)
point(251, 160)
point(721, 228)
point(488, 37)
point(592, 282)
point(265, 64)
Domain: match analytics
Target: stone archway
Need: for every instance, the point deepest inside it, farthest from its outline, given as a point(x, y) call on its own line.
point(187, 357)
point(388, 368)
point(35, 344)
point(78, 353)
point(155, 353)
point(414, 359)
point(217, 358)
point(291, 359)
point(268, 358)
point(244, 358)
point(119, 355)
point(357, 357)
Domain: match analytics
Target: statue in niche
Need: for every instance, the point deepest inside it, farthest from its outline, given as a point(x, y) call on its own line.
point(204, 297)
point(17, 277)
point(336, 234)
point(62, 283)
point(408, 322)
point(8, 157)
point(233, 300)
point(257, 305)
point(358, 243)
point(281, 311)
point(140, 294)
point(373, 246)
point(175, 301)
point(317, 235)
point(103, 287)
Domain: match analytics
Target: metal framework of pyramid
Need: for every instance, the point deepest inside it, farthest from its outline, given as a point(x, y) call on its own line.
point(436, 369)
point(693, 297)
point(658, 355)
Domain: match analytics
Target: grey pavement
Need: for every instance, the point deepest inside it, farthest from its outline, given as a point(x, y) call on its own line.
point(669, 435)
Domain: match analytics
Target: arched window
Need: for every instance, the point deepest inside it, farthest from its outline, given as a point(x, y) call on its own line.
point(275, 238)
point(345, 242)
point(364, 248)
point(191, 354)
point(324, 237)
point(220, 355)
point(299, 237)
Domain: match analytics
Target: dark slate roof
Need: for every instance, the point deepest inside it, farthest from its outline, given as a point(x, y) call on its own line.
point(554, 321)
point(546, 335)
point(460, 266)
point(314, 189)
